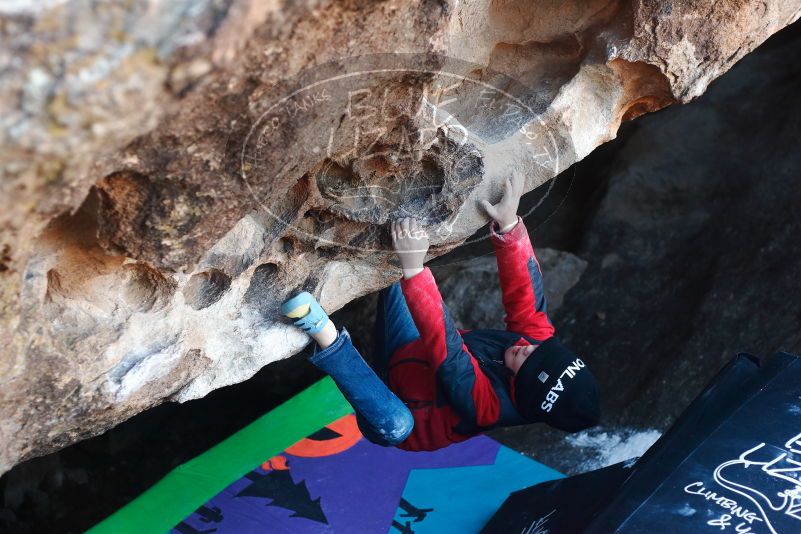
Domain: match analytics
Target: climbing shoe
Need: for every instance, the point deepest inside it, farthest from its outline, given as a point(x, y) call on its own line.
point(305, 312)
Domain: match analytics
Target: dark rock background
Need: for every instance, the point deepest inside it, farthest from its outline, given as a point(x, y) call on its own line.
point(690, 225)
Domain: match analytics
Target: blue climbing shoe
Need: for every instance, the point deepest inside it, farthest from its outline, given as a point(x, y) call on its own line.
point(306, 312)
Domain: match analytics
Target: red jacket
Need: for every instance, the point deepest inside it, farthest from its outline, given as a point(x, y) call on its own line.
point(454, 381)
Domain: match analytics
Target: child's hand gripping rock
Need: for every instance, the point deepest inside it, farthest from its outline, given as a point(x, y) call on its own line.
point(505, 212)
point(410, 242)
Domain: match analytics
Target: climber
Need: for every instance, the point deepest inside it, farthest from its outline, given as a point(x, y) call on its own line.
point(434, 384)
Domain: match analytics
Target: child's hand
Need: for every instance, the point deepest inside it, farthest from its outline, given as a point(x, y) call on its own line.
point(411, 244)
point(505, 211)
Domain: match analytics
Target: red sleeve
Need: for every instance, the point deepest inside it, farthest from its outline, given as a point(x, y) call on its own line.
point(458, 373)
point(521, 283)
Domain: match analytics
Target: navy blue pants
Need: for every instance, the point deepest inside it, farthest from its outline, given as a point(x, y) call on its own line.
point(383, 418)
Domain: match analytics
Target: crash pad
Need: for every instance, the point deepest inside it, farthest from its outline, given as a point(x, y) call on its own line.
point(305, 467)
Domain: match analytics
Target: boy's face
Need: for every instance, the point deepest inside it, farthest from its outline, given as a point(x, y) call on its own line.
point(515, 356)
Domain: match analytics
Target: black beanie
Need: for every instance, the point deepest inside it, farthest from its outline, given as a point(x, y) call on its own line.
point(554, 386)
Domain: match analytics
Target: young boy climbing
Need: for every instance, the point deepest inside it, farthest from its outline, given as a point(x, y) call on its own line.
point(434, 384)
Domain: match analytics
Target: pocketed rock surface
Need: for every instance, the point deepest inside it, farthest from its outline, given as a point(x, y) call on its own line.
point(171, 171)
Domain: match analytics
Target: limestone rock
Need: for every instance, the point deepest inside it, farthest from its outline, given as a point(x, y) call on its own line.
point(205, 288)
point(171, 171)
